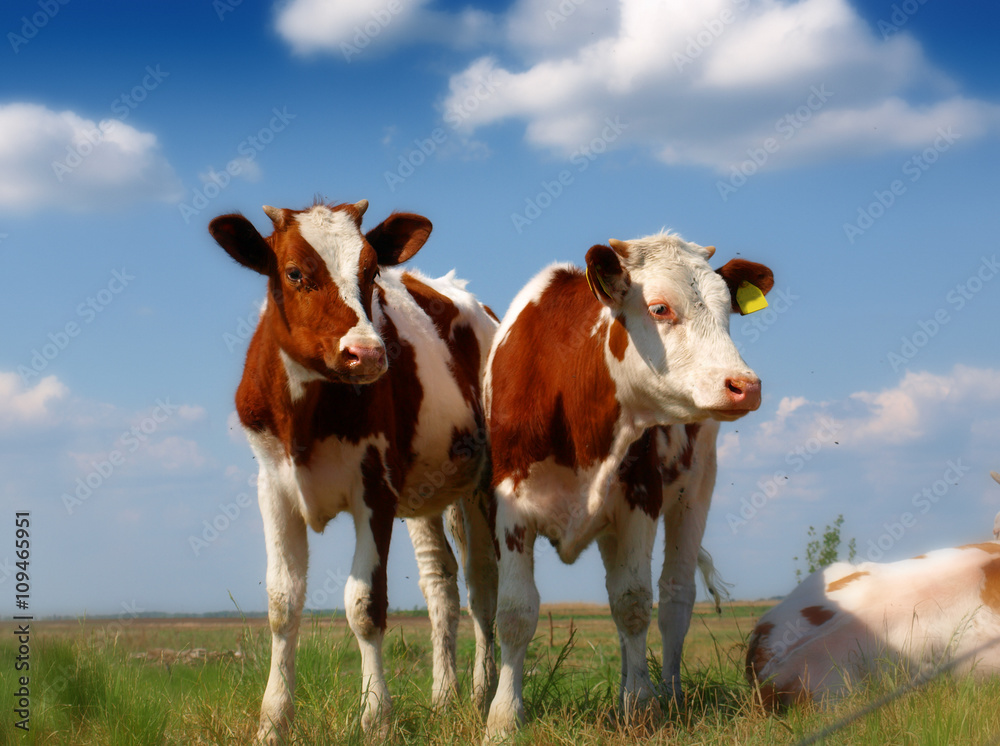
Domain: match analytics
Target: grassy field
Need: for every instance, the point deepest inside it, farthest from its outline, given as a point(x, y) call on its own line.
point(199, 681)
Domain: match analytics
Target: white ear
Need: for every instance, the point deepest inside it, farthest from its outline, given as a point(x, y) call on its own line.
point(995, 476)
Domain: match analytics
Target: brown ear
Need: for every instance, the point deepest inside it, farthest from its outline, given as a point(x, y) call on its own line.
point(737, 271)
point(399, 237)
point(242, 242)
point(609, 281)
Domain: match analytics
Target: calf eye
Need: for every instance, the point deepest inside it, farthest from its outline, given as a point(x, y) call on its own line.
point(662, 312)
point(294, 275)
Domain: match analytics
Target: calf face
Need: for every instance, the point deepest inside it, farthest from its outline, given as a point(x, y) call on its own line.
point(671, 353)
point(321, 272)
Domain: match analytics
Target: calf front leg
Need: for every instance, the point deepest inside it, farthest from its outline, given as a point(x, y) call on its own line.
point(470, 526)
point(287, 564)
point(365, 596)
point(626, 557)
point(517, 617)
point(439, 584)
point(686, 507)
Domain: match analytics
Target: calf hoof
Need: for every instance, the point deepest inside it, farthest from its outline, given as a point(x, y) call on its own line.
point(270, 735)
point(442, 698)
point(501, 724)
point(673, 694)
point(641, 707)
point(375, 722)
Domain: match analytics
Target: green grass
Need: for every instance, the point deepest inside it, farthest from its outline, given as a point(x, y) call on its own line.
point(87, 688)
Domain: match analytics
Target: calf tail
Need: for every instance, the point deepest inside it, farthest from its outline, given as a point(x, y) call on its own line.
point(718, 587)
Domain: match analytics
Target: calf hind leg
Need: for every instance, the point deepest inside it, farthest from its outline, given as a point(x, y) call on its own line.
point(439, 584)
point(469, 525)
point(517, 618)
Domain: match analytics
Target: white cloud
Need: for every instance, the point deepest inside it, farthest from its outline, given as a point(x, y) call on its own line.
point(174, 453)
point(21, 404)
point(366, 26)
point(191, 413)
point(243, 168)
point(924, 402)
point(545, 28)
point(728, 447)
point(701, 83)
point(923, 407)
point(64, 160)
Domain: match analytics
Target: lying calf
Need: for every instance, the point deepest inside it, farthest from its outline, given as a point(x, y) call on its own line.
point(844, 623)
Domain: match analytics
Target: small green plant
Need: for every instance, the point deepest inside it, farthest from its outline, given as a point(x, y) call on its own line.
point(825, 550)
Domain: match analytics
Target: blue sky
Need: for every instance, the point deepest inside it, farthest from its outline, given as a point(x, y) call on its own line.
point(850, 146)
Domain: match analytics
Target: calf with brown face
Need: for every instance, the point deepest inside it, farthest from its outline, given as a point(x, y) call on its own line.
point(361, 394)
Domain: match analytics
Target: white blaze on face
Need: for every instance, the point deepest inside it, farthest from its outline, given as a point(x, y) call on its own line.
point(336, 238)
point(680, 366)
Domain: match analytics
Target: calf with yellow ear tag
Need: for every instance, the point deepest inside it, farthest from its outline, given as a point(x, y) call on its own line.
point(603, 391)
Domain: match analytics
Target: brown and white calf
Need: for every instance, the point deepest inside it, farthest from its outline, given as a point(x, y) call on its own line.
point(847, 622)
point(361, 393)
point(591, 377)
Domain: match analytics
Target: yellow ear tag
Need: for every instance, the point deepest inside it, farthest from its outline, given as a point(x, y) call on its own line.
point(749, 298)
point(600, 281)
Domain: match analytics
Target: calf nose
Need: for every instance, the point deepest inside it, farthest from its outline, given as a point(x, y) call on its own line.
point(743, 393)
point(363, 359)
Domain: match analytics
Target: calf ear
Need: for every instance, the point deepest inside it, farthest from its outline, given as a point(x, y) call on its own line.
point(609, 281)
point(737, 271)
point(242, 242)
point(399, 237)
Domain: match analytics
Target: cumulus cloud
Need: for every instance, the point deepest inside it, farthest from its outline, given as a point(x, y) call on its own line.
point(368, 26)
point(83, 431)
point(924, 402)
point(62, 159)
point(21, 404)
point(174, 453)
point(242, 168)
point(703, 83)
point(191, 412)
point(923, 407)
